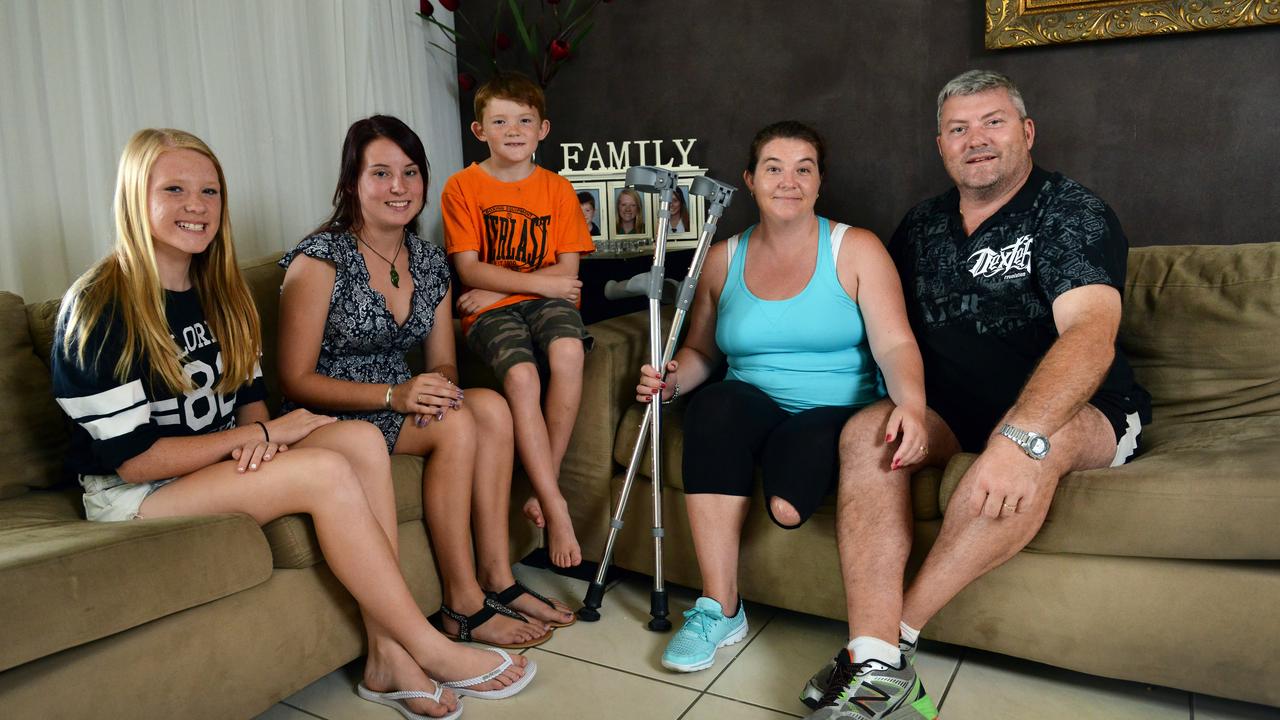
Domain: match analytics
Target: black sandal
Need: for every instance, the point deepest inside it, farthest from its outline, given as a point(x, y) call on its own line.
point(491, 607)
point(507, 596)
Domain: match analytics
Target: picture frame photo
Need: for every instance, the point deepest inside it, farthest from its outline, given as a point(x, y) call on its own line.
point(689, 223)
point(630, 212)
point(598, 222)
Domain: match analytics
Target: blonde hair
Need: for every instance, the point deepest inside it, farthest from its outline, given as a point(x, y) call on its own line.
point(634, 195)
point(127, 282)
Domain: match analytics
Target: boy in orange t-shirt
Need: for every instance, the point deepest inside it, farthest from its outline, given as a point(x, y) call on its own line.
point(515, 231)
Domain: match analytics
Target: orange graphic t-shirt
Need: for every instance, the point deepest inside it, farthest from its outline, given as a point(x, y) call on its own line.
point(521, 226)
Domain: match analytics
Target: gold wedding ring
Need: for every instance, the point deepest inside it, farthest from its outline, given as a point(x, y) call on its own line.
point(1010, 508)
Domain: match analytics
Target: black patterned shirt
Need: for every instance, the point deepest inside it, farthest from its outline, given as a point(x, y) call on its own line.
point(981, 305)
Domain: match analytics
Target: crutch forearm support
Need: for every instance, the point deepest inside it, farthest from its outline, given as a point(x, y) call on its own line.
point(717, 196)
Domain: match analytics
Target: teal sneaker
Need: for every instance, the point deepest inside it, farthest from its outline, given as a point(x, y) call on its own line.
point(705, 628)
point(874, 690)
point(817, 684)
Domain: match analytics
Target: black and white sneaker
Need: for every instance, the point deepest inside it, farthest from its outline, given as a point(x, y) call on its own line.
point(813, 689)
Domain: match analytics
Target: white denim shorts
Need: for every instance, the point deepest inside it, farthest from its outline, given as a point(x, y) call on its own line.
point(108, 498)
point(1128, 443)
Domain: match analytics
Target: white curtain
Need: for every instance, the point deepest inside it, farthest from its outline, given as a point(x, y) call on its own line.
point(271, 85)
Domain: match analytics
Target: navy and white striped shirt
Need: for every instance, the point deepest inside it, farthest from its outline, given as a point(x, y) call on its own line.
point(113, 421)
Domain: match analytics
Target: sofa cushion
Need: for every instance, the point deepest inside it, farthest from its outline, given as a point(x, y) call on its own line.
point(35, 438)
point(293, 537)
point(1198, 328)
point(69, 581)
point(924, 484)
point(1198, 491)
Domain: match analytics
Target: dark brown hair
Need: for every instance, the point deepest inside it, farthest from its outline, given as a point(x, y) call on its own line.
point(346, 198)
point(791, 130)
point(510, 86)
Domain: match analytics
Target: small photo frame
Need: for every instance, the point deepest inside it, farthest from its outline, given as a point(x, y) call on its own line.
point(630, 212)
point(686, 212)
point(594, 210)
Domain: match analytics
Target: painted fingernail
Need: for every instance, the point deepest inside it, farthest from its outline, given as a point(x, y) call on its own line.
point(664, 386)
point(887, 438)
point(440, 415)
point(253, 466)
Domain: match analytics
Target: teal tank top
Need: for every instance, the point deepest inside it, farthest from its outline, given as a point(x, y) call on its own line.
point(809, 350)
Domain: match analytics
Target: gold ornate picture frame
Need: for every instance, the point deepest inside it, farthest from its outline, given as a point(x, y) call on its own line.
point(1022, 23)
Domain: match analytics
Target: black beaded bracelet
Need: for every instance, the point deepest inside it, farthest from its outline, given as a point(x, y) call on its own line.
point(265, 434)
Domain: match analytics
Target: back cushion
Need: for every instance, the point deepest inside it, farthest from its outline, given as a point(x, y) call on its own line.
point(263, 277)
point(33, 438)
point(1200, 328)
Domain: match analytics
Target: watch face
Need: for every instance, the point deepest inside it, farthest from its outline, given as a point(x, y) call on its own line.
point(1039, 446)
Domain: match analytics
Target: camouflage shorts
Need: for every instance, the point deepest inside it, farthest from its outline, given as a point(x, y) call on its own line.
point(507, 336)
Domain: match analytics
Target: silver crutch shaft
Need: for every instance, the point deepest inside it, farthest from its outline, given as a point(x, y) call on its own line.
point(718, 196)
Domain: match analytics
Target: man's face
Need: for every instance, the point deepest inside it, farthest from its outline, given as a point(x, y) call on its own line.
point(985, 145)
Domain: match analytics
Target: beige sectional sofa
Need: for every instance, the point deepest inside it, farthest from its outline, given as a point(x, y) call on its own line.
point(1164, 571)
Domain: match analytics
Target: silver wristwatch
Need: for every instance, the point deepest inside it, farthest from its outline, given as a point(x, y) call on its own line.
point(1035, 445)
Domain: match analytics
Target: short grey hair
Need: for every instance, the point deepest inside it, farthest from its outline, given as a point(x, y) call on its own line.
point(972, 82)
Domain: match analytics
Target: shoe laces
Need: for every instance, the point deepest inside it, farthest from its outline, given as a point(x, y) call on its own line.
point(845, 676)
point(700, 622)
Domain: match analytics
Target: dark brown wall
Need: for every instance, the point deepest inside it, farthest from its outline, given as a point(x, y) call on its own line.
point(1180, 134)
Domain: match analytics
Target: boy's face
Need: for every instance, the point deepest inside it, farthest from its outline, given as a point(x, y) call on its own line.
point(511, 130)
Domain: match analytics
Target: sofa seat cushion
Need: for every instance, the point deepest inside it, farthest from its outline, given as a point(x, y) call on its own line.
point(293, 537)
point(68, 581)
point(924, 484)
point(1204, 490)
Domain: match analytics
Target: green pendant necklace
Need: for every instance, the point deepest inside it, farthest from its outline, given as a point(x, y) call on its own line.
point(395, 274)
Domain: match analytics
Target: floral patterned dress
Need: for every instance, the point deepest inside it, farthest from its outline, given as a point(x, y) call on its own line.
point(362, 342)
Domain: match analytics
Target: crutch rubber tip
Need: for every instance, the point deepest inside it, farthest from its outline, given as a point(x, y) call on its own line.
point(660, 624)
point(591, 603)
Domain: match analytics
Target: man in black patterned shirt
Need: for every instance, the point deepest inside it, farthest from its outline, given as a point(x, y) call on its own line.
point(1013, 284)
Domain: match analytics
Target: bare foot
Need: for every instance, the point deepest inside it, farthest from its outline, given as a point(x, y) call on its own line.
point(463, 662)
point(533, 608)
point(390, 669)
point(497, 630)
point(533, 510)
point(562, 543)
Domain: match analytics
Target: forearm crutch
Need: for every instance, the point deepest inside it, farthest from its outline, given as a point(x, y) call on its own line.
point(717, 196)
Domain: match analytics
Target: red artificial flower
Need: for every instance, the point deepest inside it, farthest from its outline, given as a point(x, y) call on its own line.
point(426, 8)
point(502, 41)
point(466, 81)
point(559, 50)
point(450, 5)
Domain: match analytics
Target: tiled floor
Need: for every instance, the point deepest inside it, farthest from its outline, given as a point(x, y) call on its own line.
point(610, 669)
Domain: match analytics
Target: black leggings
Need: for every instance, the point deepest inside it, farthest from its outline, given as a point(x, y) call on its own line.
point(731, 425)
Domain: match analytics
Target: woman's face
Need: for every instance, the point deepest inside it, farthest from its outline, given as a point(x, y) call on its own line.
point(676, 205)
point(785, 181)
point(628, 208)
point(390, 187)
point(184, 204)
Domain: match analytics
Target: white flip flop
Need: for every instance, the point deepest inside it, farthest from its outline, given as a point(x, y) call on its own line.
point(463, 687)
point(393, 700)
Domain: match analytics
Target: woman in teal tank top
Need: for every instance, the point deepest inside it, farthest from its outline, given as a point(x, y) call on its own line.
point(810, 318)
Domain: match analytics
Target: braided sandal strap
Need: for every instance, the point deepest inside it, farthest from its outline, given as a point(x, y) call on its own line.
point(490, 608)
point(510, 594)
point(481, 679)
